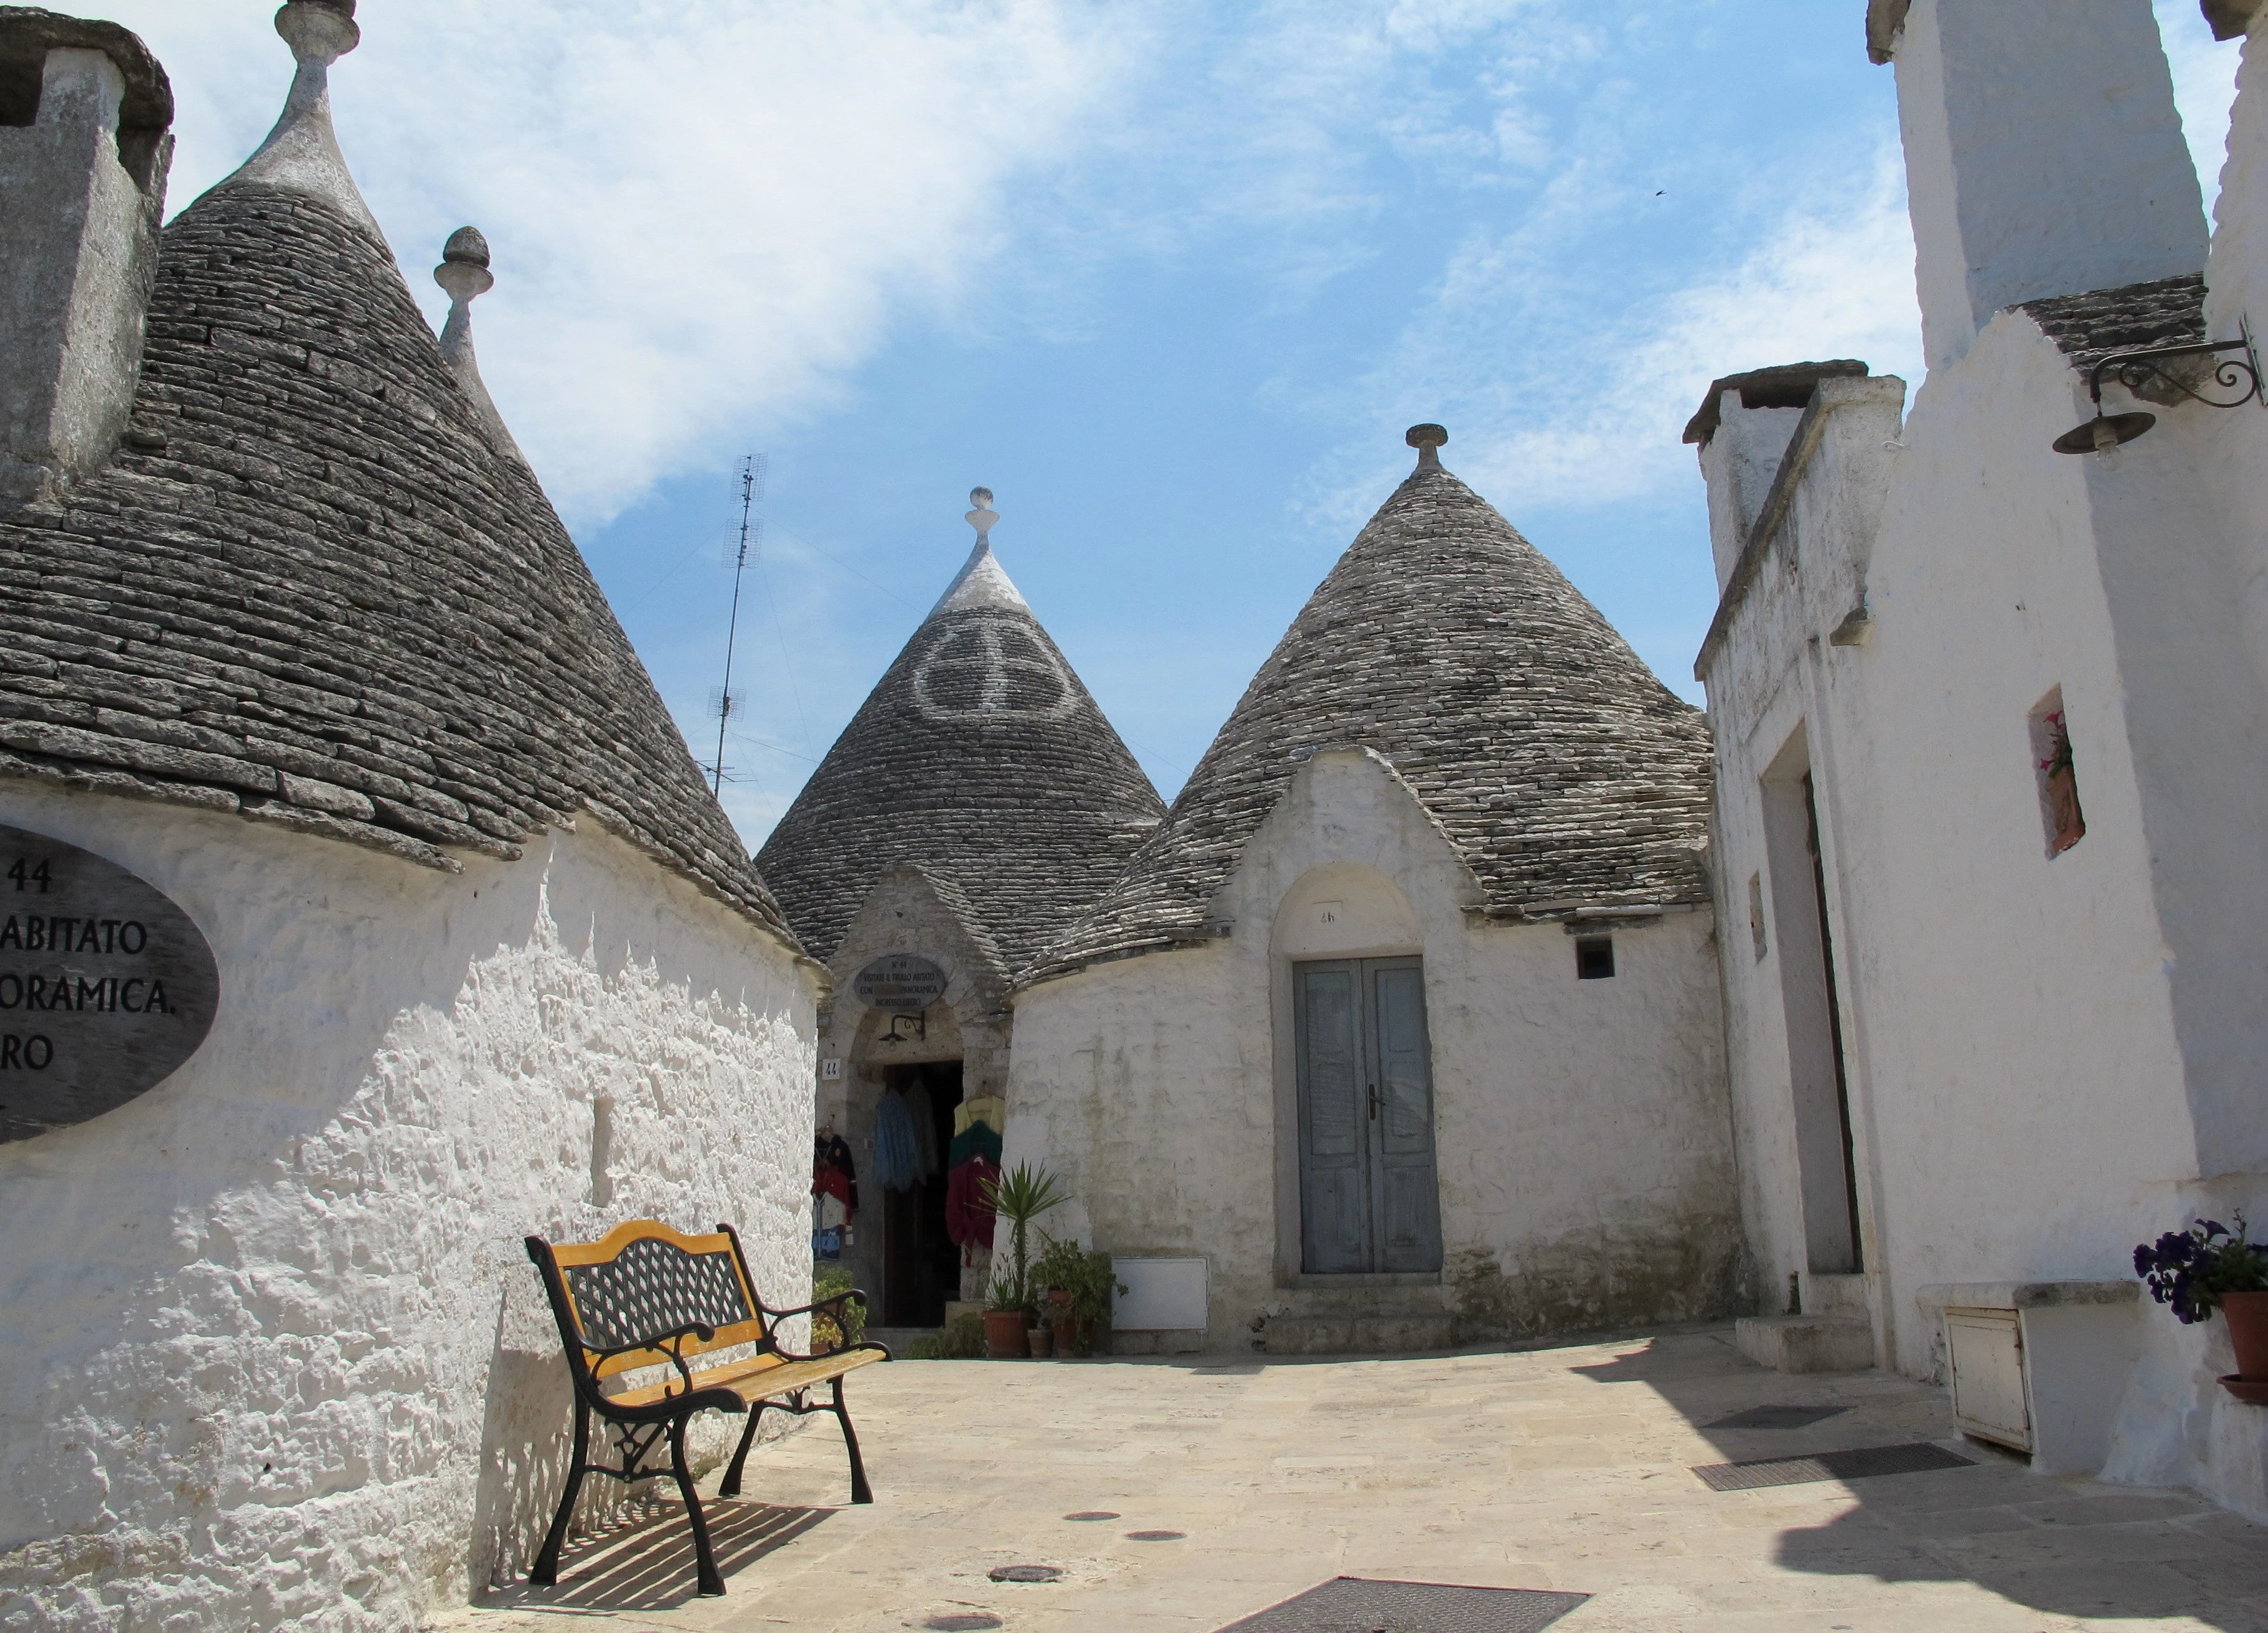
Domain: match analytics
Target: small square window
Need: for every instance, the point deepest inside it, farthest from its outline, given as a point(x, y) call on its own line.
point(1594, 958)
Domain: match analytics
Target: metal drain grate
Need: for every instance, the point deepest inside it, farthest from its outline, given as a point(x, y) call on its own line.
point(1863, 1463)
point(1358, 1605)
point(1777, 1417)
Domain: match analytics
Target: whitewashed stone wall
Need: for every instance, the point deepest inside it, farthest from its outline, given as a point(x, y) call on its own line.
point(275, 1354)
point(2051, 1057)
point(1584, 1145)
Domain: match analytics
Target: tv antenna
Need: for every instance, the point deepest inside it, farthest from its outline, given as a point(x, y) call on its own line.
point(753, 471)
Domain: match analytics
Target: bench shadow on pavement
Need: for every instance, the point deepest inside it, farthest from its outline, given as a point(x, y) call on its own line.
point(646, 1562)
point(2067, 1546)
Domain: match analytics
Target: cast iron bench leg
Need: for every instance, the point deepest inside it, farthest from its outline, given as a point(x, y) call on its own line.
point(546, 1573)
point(859, 1490)
point(731, 1482)
point(705, 1561)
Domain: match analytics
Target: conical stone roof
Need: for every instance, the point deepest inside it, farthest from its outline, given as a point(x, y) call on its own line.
point(310, 591)
point(979, 758)
point(1564, 773)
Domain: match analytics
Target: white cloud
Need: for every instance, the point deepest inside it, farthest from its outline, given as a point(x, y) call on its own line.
point(1557, 396)
point(705, 213)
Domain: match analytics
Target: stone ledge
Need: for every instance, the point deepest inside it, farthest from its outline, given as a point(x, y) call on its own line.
point(2022, 1295)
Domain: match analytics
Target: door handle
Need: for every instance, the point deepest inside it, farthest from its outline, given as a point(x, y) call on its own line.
point(1374, 1101)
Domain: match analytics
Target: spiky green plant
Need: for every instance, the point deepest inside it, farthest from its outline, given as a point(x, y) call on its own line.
point(1020, 1197)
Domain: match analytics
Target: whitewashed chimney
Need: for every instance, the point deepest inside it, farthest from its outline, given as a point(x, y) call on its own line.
point(84, 111)
point(2043, 154)
point(1742, 429)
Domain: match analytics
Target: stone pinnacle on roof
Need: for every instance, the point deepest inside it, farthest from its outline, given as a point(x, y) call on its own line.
point(1562, 772)
point(982, 515)
point(981, 581)
point(464, 273)
point(308, 589)
point(301, 154)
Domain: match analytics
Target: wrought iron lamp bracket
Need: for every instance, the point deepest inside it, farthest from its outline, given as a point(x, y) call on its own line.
point(2135, 369)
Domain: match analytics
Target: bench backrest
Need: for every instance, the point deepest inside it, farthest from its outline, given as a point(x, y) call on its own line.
point(643, 1280)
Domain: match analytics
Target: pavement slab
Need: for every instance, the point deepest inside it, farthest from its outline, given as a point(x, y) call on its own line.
point(1567, 1469)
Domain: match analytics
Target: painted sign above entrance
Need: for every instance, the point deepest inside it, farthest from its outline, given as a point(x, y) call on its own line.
point(105, 986)
point(900, 982)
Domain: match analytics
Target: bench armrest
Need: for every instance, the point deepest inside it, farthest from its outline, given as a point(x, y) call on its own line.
point(823, 1304)
point(670, 1344)
point(777, 1316)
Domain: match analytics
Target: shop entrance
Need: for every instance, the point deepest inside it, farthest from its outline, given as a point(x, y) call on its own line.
point(921, 1268)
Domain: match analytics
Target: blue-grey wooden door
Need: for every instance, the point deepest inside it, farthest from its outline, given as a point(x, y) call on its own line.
point(1369, 1200)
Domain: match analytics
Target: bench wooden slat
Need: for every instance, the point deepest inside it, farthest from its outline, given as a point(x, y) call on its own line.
point(759, 1377)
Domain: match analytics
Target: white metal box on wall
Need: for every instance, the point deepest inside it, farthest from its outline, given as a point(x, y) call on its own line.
point(1160, 1296)
point(1985, 1363)
point(2039, 1366)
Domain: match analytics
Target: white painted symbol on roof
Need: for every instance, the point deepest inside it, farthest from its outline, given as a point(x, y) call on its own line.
point(990, 669)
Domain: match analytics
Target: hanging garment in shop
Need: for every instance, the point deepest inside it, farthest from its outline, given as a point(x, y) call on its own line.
point(969, 1217)
point(924, 1112)
point(990, 1109)
point(897, 1157)
point(978, 1139)
point(833, 1174)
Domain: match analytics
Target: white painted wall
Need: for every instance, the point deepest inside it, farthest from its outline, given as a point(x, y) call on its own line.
point(2048, 1058)
point(2043, 156)
point(1583, 1143)
point(276, 1354)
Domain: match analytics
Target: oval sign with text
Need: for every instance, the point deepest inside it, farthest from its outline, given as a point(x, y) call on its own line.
point(900, 982)
point(105, 986)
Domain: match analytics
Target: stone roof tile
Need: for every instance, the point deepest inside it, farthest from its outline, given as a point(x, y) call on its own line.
point(310, 591)
point(980, 759)
point(2088, 328)
point(1562, 770)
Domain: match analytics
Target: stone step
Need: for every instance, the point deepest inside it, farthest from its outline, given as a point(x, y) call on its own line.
point(1806, 1344)
point(1834, 1295)
point(1384, 1299)
point(1382, 1334)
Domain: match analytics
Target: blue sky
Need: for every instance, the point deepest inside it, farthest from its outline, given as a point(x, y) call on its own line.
point(1170, 277)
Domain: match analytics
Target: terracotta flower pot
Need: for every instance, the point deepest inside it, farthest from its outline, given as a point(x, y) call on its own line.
point(2247, 1315)
point(1004, 1335)
point(1042, 1342)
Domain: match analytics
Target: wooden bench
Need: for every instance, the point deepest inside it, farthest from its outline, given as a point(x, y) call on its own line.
point(644, 1295)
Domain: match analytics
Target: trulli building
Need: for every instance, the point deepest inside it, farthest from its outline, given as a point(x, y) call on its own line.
point(975, 806)
point(1405, 1027)
point(292, 640)
point(1989, 687)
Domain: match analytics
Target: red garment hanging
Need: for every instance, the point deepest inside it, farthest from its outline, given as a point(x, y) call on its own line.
point(969, 1217)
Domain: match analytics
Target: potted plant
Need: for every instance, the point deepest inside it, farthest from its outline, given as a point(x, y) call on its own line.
point(1079, 1285)
point(2207, 1268)
point(1006, 1320)
point(1020, 1198)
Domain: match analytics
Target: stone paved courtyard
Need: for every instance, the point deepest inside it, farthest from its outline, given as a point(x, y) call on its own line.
point(1567, 1468)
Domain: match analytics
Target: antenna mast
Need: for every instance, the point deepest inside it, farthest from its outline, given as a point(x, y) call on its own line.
point(752, 470)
